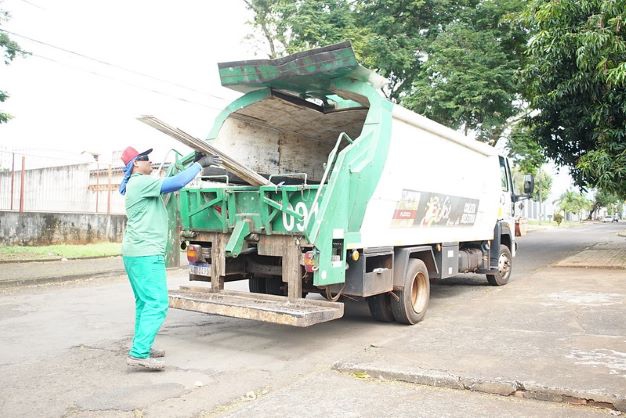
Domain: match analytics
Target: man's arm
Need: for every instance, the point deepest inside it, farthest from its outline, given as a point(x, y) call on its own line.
point(177, 182)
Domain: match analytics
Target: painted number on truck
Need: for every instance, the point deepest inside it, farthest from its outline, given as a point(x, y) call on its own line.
point(289, 222)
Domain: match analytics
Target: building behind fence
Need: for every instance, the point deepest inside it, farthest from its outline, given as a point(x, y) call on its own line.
point(73, 203)
point(74, 188)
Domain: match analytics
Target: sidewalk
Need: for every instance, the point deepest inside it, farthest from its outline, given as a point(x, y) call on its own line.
point(556, 336)
point(43, 272)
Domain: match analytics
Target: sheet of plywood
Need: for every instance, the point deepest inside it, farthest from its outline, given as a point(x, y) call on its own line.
point(229, 163)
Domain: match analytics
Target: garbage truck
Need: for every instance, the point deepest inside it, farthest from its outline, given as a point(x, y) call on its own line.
point(352, 196)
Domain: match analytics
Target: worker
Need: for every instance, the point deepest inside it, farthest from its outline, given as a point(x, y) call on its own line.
point(143, 248)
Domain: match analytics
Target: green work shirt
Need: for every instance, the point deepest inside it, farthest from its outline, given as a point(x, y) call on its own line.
point(146, 228)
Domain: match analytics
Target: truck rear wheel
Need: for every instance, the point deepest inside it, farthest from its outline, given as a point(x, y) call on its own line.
point(274, 286)
point(412, 303)
point(256, 284)
point(380, 307)
point(505, 262)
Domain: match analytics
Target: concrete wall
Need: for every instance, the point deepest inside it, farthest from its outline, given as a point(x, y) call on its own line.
point(52, 189)
point(32, 228)
point(70, 188)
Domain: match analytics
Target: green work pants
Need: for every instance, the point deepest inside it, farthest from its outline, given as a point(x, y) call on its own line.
point(148, 280)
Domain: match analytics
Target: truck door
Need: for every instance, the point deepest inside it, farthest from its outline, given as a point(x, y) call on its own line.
point(506, 210)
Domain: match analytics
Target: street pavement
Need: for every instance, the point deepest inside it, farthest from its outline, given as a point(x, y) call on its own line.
point(555, 334)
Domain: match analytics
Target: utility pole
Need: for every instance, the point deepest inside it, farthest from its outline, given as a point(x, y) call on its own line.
point(540, 204)
point(22, 176)
point(95, 157)
point(12, 176)
point(109, 191)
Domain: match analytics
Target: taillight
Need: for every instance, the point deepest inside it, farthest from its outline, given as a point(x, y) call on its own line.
point(194, 253)
point(309, 261)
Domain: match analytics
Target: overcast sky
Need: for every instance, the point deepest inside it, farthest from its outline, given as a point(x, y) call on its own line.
point(66, 102)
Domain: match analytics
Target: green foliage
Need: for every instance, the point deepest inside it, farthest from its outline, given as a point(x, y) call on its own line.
point(543, 186)
point(469, 78)
point(558, 218)
point(573, 202)
point(9, 50)
point(543, 183)
point(101, 249)
point(608, 171)
point(609, 200)
point(525, 151)
point(575, 79)
point(453, 61)
point(289, 27)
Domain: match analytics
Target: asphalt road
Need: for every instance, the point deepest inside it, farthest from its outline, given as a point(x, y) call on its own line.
point(540, 249)
point(63, 348)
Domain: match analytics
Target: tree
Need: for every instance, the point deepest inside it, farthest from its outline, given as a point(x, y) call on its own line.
point(543, 183)
point(469, 79)
point(453, 61)
point(524, 150)
point(604, 199)
point(9, 50)
point(575, 78)
point(573, 202)
point(558, 218)
point(543, 186)
point(289, 26)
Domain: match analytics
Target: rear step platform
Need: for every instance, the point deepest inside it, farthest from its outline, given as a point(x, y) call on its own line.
point(260, 307)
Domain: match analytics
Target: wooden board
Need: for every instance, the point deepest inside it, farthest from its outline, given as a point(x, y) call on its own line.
point(230, 164)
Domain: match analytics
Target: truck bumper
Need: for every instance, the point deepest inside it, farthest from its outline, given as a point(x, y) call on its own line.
point(259, 307)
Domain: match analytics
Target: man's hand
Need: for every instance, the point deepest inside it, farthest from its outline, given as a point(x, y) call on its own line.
point(208, 160)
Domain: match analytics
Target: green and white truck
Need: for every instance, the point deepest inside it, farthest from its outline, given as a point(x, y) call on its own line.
point(359, 197)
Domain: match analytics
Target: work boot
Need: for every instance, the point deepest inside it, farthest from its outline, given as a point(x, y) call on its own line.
point(148, 363)
point(155, 352)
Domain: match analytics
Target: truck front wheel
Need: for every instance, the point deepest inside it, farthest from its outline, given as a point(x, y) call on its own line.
point(504, 268)
point(412, 302)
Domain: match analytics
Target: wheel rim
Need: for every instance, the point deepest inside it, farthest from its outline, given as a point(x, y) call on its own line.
point(504, 265)
point(419, 298)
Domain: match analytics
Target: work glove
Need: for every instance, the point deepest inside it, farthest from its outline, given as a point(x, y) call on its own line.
point(207, 160)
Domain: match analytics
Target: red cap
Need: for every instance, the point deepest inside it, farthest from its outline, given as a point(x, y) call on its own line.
point(130, 153)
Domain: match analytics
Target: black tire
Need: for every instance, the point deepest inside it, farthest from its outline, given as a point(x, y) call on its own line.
point(380, 307)
point(412, 303)
point(505, 263)
point(256, 284)
point(274, 286)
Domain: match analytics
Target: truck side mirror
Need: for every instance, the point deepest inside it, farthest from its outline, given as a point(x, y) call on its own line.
point(529, 184)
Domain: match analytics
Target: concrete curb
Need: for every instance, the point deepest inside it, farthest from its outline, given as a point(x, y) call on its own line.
point(56, 258)
point(494, 386)
point(4, 284)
